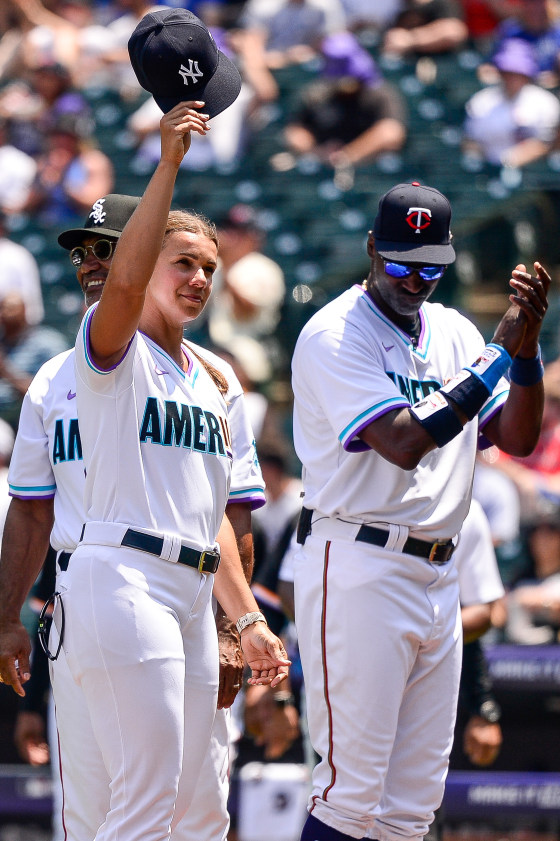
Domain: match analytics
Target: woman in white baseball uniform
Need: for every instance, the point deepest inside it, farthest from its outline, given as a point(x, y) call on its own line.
point(139, 633)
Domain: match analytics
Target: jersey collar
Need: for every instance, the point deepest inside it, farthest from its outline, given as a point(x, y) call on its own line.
point(419, 348)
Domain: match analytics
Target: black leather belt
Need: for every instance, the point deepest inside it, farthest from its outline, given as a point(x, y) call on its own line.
point(63, 560)
point(436, 553)
point(206, 561)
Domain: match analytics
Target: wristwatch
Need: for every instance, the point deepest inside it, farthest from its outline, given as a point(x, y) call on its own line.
point(283, 699)
point(490, 711)
point(249, 619)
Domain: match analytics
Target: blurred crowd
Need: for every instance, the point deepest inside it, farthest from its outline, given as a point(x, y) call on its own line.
point(55, 53)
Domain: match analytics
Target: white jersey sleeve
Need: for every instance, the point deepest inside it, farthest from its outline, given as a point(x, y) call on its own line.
point(247, 483)
point(31, 475)
point(475, 559)
point(47, 458)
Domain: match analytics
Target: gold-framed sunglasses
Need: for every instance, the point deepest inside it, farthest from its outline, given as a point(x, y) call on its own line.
point(102, 249)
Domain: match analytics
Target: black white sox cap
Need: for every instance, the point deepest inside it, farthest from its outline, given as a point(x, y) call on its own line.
point(176, 58)
point(107, 217)
point(413, 226)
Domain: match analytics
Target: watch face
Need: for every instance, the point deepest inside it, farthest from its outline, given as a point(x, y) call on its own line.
point(490, 711)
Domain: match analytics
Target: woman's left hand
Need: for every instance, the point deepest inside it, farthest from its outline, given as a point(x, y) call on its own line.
point(265, 655)
point(176, 127)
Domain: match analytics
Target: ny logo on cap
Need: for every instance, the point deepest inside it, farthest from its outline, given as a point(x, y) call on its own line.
point(418, 218)
point(192, 72)
point(97, 213)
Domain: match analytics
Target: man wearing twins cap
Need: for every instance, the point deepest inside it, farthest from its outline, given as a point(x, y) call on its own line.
point(391, 395)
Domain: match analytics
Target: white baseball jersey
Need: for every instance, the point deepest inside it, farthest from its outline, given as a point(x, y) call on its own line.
point(47, 460)
point(364, 366)
point(475, 559)
point(159, 458)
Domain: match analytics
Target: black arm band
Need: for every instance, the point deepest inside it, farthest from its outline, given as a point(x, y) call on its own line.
point(437, 417)
point(476, 684)
point(468, 392)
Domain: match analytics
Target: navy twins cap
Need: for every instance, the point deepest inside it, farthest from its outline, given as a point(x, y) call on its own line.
point(413, 226)
point(176, 58)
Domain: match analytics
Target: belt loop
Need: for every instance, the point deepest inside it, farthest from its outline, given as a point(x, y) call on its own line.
point(166, 547)
point(174, 545)
point(395, 540)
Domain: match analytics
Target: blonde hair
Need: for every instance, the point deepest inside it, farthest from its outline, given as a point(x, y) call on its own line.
point(196, 223)
point(191, 222)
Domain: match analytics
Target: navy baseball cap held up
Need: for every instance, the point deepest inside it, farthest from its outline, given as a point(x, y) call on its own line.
point(413, 226)
point(175, 58)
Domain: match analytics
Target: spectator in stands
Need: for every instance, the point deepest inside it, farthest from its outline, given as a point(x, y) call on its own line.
point(17, 171)
point(273, 526)
point(483, 18)
point(12, 29)
point(288, 31)
point(516, 121)
point(44, 36)
point(126, 15)
point(537, 477)
point(232, 130)
point(534, 602)
point(23, 349)
point(259, 408)
point(34, 104)
point(350, 116)
point(249, 290)
point(537, 23)
point(363, 16)
point(426, 27)
point(19, 273)
point(499, 498)
point(71, 174)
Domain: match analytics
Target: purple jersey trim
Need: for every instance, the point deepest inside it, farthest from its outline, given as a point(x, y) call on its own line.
point(88, 346)
point(256, 500)
point(483, 442)
point(352, 445)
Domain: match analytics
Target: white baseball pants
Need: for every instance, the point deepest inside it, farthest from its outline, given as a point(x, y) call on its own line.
point(140, 640)
point(381, 643)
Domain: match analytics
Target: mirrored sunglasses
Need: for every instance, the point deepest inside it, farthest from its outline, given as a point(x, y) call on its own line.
point(427, 273)
point(101, 250)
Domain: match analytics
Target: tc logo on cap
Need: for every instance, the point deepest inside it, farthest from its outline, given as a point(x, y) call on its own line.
point(418, 218)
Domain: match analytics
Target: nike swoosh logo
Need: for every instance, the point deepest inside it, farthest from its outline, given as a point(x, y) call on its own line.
point(387, 347)
point(158, 371)
point(71, 394)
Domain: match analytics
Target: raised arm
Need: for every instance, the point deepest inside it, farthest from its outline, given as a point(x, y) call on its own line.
point(516, 428)
point(118, 312)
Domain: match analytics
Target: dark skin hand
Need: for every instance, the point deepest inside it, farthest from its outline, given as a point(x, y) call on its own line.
point(515, 428)
point(231, 663)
